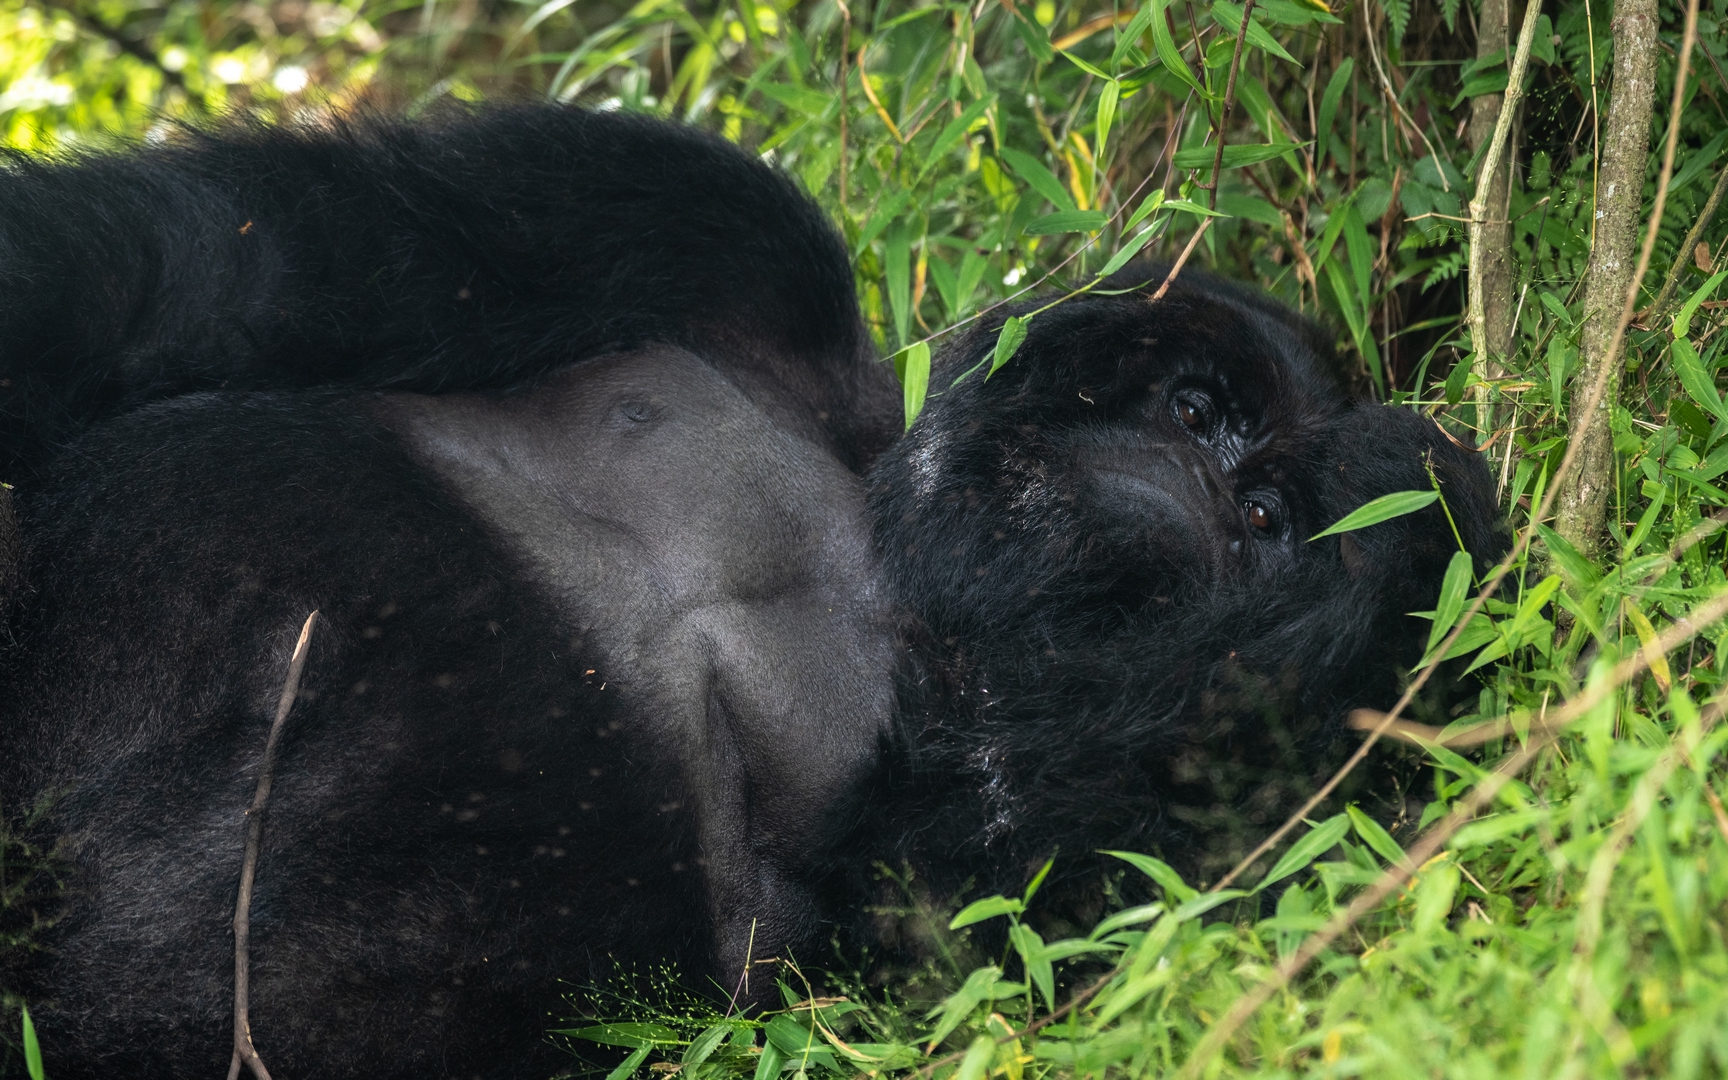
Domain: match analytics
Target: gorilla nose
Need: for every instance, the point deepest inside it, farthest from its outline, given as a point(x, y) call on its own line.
point(1178, 504)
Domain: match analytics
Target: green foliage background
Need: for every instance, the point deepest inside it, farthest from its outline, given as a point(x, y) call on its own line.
point(971, 152)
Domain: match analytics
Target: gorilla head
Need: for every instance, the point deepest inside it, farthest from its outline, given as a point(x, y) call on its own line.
point(1103, 554)
point(645, 634)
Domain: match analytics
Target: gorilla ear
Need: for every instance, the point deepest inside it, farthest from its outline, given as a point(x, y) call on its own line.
point(1355, 559)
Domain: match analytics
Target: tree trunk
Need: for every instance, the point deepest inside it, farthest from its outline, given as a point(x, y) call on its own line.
point(1494, 261)
point(1582, 507)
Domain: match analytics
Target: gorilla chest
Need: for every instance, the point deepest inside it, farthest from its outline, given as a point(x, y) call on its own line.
point(720, 563)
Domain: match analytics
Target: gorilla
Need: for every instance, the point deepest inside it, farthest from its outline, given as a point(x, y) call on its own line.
point(646, 633)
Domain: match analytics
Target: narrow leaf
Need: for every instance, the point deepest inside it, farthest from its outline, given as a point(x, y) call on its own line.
point(1375, 836)
point(1008, 341)
point(1161, 872)
point(1687, 364)
point(33, 1049)
point(977, 1060)
point(1107, 100)
point(915, 384)
point(1682, 324)
point(1385, 508)
point(1042, 180)
point(1318, 841)
point(1067, 221)
point(1127, 252)
point(1168, 54)
point(1235, 156)
point(1451, 602)
point(988, 908)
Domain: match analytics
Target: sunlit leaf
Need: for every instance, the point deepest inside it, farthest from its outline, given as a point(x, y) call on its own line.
point(1384, 508)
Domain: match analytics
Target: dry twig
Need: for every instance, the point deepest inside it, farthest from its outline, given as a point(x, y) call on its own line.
point(244, 1051)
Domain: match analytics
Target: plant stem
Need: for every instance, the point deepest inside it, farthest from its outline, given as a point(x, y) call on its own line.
point(1484, 250)
point(1229, 103)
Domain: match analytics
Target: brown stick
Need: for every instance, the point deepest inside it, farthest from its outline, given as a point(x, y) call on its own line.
point(1181, 260)
point(1229, 103)
point(244, 1051)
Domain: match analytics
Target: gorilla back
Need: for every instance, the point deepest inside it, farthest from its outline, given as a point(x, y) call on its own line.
point(643, 635)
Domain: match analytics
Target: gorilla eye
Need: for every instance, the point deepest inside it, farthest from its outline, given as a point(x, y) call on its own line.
point(1262, 512)
point(1194, 411)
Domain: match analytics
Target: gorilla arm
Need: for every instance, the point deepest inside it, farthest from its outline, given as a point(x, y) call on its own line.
point(472, 253)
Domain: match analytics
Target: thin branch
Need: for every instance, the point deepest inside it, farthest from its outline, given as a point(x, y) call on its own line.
point(1224, 118)
point(1181, 260)
point(1485, 181)
point(244, 1052)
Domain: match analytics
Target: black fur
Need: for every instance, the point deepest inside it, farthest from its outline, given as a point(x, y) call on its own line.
point(643, 635)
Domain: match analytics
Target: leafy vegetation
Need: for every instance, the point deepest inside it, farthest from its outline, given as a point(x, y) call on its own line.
point(1560, 906)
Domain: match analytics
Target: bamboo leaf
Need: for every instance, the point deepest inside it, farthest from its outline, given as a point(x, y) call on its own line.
point(1385, 508)
point(915, 382)
point(1318, 841)
point(1008, 341)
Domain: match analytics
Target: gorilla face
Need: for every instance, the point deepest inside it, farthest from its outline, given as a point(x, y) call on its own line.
point(1103, 553)
point(1130, 454)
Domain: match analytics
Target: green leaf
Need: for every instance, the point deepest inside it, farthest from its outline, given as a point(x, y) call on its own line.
point(639, 1035)
point(984, 984)
point(1148, 206)
point(1037, 41)
point(1682, 324)
point(1397, 17)
point(915, 384)
point(1126, 253)
point(1041, 179)
point(1695, 378)
point(955, 131)
point(1375, 836)
point(33, 1049)
point(1572, 563)
point(627, 1068)
point(1107, 101)
point(978, 1059)
point(1188, 206)
point(1039, 971)
point(1200, 905)
point(1229, 16)
point(1131, 917)
point(806, 102)
point(1319, 840)
point(1084, 66)
point(1168, 54)
point(1131, 34)
point(1697, 163)
point(988, 908)
point(1252, 208)
point(1200, 157)
point(1008, 341)
point(1385, 508)
point(1067, 221)
point(1451, 603)
point(1329, 102)
point(1037, 880)
point(767, 1066)
point(703, 1045)
point(1159, 871)
point(898, 270)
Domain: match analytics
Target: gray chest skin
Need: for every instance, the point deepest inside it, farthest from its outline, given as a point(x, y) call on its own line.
point(723, 566)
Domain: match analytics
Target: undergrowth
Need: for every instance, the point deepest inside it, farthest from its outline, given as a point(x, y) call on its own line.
point(1570, 919)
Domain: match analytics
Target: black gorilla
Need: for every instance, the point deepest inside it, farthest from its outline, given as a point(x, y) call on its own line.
point(644, 633)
